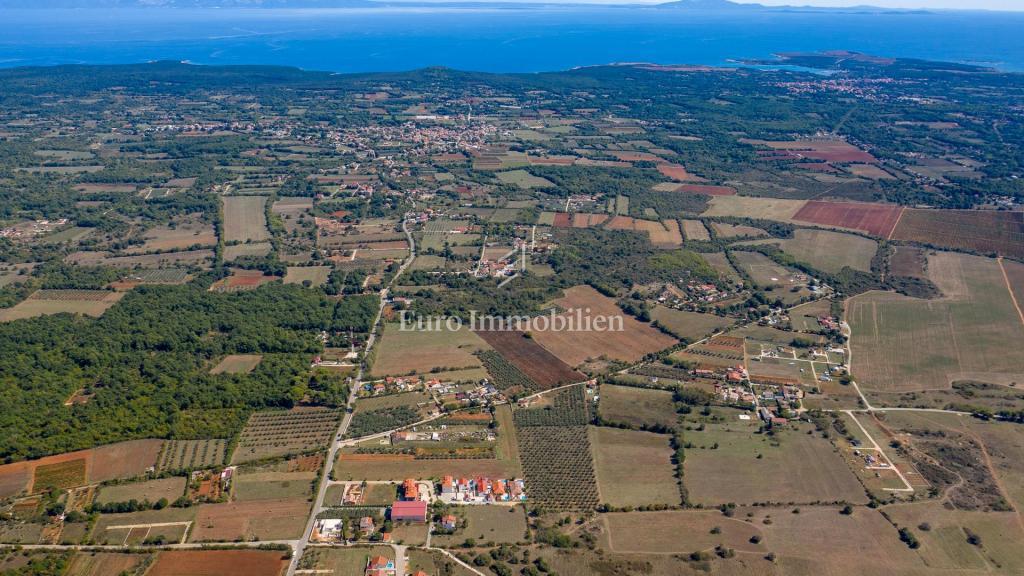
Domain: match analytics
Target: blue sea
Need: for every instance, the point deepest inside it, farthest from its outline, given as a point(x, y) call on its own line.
point(502, 39)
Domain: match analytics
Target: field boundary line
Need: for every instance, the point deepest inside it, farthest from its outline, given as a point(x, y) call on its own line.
point(1009, 287)
point(896, 223)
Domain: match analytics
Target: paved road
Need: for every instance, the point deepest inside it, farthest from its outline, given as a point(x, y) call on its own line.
point(318, 504)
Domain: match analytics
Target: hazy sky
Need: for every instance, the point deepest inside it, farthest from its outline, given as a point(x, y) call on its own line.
point(955, 4)
point(1017, 5)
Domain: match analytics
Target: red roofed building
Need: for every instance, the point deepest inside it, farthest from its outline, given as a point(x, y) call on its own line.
point(409, 490)
point(380, 566)
point(409, 511)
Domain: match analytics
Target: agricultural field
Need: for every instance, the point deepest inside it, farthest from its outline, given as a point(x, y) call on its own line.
point(780, 209)
point(908, 261)
point(183, 235)
point(218, 563)
point(829, 251)
point(980, 231)
point(47, 302)
point(403, 352)
point(498, 524)
point(539, 365)
point(151, 490)
point(237, 364)
point(633, 468)
point(903, 344)
point(273, 485)
point(283, 432)
point(314, 275)
point(729, 231)
point(103, 563)
point(636, 407)
point(677, 531)
point(281, 519)
point(505, 376)
point(558, 466)
point(632, 343)
point(729, 462)
point(110, 462)
point(875, 219)
point(191, 454)
point(343, 561)
point(690, 326)
point(245, 219)
point(523, 179)
point(695, 230)
point(135, 527)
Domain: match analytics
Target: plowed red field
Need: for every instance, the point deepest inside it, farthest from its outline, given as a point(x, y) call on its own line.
point(877, 219)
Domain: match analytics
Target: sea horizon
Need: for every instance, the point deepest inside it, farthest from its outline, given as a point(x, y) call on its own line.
point(498, 39)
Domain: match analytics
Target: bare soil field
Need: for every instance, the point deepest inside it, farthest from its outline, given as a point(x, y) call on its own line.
point(633, 468)
point(420, 351)
point(540, 365)
point(695, 230)
point(245, 219)
point(875, 219)
point(151, 490)
point(636, 406)
point(575, 347)
point(903, 344)
point(256, 519)
point(237, 364)
point(218, 563)
point(977, 230)
point(183, 236)
point(726, 230)
point(908, 261)
point(120, 460)
point(103, 563)
point(733, 472)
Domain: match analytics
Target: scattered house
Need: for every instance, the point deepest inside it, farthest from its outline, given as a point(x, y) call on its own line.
point(385, 537)
point(380, 566)
point(329, 529)
point(449, 522)
point(447, 485)
point(366, 525)
point(409, 511)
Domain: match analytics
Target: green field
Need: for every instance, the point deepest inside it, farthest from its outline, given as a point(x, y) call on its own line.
point(973, 333)
point(636, 407)
point(731, 462)
point(690, 326)
point(633, 468)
